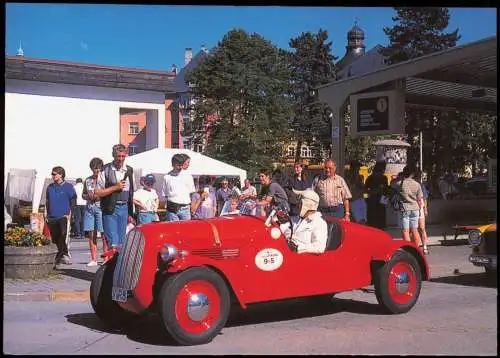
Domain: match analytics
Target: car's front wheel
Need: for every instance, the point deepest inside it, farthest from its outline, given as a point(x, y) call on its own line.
point(398, 283)
point(194, 305)
point(108, 311)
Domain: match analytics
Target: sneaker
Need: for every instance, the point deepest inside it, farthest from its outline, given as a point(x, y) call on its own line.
point(66, 260)
point(92, 263)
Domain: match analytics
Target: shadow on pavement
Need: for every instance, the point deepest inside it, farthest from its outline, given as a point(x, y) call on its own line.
point(79, 274)
point(299, 308)
point(90, 321)
point(469, 279)
point(149, 329)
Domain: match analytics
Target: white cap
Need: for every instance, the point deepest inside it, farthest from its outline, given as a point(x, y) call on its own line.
point(310, 200)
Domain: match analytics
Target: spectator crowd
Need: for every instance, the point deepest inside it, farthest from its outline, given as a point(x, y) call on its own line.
point(106, 203)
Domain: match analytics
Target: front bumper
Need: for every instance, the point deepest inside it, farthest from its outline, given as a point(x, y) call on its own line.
point(484, 260)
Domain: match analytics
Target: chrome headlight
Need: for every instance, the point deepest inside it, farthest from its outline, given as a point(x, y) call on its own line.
point(169, 253)
point(475, 237)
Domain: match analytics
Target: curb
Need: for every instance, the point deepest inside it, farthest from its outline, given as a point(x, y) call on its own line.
point(78, 296)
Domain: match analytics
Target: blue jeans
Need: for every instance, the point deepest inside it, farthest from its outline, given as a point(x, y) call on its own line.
point(78, 215)
point(408, 219)
point(115, 225)
point(145, 217)
point(183, 213)
point(93, 219)
point(337, 211)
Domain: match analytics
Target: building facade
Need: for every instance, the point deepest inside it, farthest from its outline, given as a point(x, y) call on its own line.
point(65, 113)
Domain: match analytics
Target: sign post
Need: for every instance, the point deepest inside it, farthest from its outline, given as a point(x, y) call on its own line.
point(377, 113)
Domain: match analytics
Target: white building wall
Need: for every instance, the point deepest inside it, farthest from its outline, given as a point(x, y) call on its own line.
point(48, 124)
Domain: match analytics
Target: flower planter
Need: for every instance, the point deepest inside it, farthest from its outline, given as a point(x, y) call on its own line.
point(29, 262)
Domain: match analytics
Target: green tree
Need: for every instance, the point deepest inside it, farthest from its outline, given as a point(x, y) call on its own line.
point(419, 31)
point(241, 107)
point(312, 65)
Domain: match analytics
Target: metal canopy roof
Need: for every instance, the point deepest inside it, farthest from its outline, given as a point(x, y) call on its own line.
point(463, 77)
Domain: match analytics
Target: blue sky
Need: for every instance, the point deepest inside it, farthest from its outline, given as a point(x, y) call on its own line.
point(154, 36)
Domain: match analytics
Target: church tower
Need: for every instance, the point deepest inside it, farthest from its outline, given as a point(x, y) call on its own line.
point(355, 41)
point(355, 46)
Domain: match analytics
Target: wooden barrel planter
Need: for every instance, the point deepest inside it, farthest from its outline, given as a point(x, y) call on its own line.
point(29, 262)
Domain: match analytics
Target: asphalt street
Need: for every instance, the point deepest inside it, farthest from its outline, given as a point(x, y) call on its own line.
point(456, 315)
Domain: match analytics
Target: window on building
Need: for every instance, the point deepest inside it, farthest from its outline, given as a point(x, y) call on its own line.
point(133, 128)
point(133, 149)
point(305, 152)
point(291, 151)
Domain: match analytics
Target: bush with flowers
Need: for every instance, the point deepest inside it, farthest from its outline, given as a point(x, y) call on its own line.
point(21, 237)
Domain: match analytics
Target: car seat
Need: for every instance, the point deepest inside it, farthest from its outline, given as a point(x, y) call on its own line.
point(334, 235)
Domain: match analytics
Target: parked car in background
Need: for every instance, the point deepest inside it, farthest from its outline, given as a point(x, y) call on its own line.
point(191, 273)
point(477, 186)
point(483, 240)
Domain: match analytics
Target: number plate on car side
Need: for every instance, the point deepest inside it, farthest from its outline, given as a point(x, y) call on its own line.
point(119, 294)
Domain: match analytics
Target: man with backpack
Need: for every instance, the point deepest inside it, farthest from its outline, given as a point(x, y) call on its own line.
point(406, 201)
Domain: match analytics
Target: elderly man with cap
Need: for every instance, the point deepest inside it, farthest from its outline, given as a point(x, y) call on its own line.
point(308, 232)
point(146, 200)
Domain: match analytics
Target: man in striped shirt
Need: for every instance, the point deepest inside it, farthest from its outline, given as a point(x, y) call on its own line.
point(334, 194)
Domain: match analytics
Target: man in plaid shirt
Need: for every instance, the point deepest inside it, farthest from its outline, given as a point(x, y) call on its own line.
point(334, 194)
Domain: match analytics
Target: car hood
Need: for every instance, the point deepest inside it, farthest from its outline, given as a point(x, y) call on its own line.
point(221, 231)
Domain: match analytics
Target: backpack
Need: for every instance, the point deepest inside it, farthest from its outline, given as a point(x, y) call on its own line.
point(396, 199)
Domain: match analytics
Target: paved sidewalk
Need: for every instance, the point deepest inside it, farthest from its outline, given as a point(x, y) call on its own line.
point(68, 282)
point(72, 282)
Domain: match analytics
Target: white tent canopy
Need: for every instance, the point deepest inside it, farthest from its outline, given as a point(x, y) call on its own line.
point(159, 160)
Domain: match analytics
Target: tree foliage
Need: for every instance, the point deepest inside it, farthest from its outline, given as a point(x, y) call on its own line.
point(418, 31)
point(241, 107)
point(312, 65)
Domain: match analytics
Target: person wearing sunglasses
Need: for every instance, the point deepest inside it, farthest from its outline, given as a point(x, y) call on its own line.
point(60, 200)
point(116, 197)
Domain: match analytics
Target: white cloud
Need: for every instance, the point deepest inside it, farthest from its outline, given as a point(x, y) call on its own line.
point(84, 46)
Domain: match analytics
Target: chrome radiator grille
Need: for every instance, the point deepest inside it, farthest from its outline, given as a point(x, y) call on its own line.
point(129, 261)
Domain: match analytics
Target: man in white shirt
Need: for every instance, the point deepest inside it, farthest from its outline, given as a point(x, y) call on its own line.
point(308, 232)
point(176, 189)
point(146, 201)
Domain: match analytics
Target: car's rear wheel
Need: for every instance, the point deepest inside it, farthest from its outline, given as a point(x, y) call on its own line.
point(108, 311)
point(398, 283)
point(194, 305)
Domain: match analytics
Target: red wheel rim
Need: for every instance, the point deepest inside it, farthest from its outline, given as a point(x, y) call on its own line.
point(402, 282)
point(197, 306)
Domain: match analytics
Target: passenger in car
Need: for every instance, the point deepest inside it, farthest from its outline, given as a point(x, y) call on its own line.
point(307, 232)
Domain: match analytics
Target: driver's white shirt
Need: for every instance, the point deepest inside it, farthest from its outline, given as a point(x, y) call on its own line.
point(309, 235)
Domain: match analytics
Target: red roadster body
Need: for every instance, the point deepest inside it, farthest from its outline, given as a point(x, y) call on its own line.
point(191, 271)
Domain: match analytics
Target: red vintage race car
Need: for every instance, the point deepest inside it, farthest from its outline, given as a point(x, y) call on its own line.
point(192, 272)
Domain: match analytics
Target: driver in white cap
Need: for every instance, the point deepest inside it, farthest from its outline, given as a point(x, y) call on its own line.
point(308, 231)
